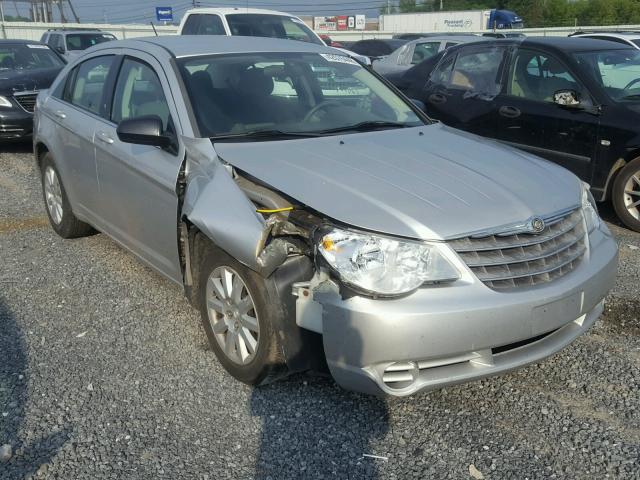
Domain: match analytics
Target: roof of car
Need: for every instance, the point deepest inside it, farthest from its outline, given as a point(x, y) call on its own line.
point(566, 44)
point(20, 42)
point(389, 41)
point(194, 45)
point(623, 35)
point(448, 38)
point(76, 30)
point(237, 10)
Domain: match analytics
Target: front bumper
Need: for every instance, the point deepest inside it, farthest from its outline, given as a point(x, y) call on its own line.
point(445, 335)
point(15, 124)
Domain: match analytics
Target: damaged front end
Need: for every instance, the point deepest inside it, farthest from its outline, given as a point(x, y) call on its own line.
point(257, 226)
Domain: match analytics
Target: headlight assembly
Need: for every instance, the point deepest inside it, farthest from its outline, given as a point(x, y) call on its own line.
point(589, 209)
point(5, 102)
point(383, 265)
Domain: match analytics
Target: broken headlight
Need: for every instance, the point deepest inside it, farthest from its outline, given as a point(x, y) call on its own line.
point(589, 209)
point(383, 265)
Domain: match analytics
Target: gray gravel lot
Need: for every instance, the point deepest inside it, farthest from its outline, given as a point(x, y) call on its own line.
point(105, 373)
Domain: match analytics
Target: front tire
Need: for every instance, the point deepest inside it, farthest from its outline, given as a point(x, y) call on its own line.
point(238, 317)
point(56, 202)
point(626, 195)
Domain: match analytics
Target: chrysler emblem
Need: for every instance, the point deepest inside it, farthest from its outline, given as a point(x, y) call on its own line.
point(536, 225)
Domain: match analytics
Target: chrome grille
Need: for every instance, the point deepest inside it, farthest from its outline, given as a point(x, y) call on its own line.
point(26, 100)
point(525, 259)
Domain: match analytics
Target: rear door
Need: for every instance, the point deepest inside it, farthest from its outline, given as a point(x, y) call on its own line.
point(528, 118)
point(139, 203)
point(76, 113)
point(461, 90)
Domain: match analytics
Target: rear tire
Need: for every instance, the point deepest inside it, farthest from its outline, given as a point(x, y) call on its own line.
point(57, 205)
point(238, 317)
point(626, 195)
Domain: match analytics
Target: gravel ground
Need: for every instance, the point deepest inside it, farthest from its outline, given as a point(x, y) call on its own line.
point(105, 373)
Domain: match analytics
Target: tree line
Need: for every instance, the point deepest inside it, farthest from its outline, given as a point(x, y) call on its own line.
point(540, 13)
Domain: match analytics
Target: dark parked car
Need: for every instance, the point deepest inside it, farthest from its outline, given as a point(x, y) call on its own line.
point(574, 101)
point(376, 48)
point(26, 67)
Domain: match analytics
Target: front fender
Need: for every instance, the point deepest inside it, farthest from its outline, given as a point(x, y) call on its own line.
point(215, 204)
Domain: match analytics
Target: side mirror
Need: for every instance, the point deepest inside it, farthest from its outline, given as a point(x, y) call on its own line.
point(418, 103)
point(60, 49)
point(566, 98)
point(145, 130)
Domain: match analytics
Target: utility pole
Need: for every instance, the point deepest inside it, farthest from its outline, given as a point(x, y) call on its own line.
point(73, 11)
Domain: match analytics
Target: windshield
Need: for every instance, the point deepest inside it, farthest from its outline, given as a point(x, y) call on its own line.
point(304, 93)
point(277, 26)
point(28, 57)
point(82, 41)
point(618, 71)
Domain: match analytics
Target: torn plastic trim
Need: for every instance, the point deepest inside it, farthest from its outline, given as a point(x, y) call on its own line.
point(308, 308)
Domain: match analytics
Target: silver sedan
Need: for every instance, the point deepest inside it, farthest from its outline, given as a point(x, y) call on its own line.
point(316, 218)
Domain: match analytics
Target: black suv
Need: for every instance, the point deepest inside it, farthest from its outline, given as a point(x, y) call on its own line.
point(574, 101)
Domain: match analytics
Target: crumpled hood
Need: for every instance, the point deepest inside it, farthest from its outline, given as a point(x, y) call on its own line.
point(430, 182)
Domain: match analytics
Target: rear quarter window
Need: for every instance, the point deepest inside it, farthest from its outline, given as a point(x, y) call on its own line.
point(203, 24)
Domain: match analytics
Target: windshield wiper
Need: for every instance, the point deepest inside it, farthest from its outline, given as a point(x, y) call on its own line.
point(264, 134)
point(634, 96)
point(366, 126)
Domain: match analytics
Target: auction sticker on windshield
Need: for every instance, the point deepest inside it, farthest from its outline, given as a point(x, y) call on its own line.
point(30, 45)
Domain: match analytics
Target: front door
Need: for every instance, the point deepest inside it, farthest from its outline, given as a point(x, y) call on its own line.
point(138, 182)
point(462, 89)
point(528, 118)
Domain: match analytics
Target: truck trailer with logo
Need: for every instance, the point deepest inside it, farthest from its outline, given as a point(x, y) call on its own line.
point(467, 21)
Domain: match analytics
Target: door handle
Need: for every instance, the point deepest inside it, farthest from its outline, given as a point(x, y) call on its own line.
point(102, 136)
point(60, 114)
point(437, 98)
point(509, 112)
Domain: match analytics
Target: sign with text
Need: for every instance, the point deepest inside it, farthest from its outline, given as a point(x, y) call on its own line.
point(164, 14)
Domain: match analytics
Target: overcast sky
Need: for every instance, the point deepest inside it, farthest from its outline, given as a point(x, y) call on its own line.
point(143, 11)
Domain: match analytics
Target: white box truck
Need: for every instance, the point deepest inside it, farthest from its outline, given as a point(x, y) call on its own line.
point(466, 21)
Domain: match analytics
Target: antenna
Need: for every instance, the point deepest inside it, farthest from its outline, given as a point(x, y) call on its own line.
point(154, 28)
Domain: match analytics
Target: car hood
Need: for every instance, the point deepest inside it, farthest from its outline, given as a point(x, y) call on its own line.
point(430, 182)
point(21, 80)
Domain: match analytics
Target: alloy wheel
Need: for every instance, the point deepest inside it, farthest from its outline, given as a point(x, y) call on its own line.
point(632, 195)
point(232, 315)
point(53, 195)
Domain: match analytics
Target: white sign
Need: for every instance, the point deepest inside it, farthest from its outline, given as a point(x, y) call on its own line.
point(361, 22)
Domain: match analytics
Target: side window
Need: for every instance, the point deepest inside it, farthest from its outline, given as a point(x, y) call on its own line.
point(478, 70)
point(191, 25)
point(55, 41)
point(442, 73)
point(138, 93)
point(538, 76)
point(422, 51)
point(203, 24)
point(88, 85)
point(450, 44)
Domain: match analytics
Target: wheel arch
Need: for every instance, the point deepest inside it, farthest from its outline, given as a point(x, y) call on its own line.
point(618, 165)
point(39, 150)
